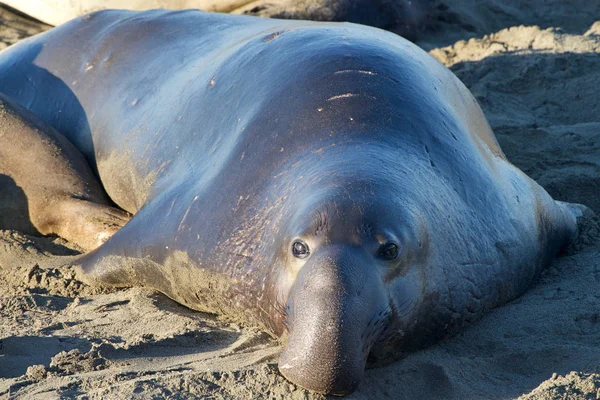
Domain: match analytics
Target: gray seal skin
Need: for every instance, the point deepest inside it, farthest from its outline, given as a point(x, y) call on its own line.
point(330, 183)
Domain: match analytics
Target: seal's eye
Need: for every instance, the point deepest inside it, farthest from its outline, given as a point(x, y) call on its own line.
point(389, 251)
point(300, 249)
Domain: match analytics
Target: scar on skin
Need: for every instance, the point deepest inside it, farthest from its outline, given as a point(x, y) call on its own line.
point(342, 96)
point(274, 35)
point(346, 95)
point(358, 71)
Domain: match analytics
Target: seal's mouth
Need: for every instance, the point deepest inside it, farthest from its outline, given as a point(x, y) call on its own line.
point(377, 331)
point(387, 345)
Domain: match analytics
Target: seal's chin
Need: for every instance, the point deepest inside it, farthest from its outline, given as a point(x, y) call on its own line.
point(337, 309)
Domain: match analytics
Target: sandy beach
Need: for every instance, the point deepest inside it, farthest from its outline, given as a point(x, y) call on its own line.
point(534, 66)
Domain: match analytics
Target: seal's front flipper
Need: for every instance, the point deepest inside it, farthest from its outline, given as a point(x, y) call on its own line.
point(585, 225)
point(63, 196)
point(134, 256)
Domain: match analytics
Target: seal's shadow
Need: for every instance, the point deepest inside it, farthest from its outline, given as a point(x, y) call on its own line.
point(17, 353)
point(14, 209)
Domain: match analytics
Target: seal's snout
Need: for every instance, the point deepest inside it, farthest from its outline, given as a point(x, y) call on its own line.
point(332, 307)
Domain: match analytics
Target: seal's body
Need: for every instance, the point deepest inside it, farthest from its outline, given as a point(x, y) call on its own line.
point(331, 183)
point(405, 17)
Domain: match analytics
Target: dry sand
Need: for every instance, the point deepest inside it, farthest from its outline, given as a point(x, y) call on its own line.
point(535, 68)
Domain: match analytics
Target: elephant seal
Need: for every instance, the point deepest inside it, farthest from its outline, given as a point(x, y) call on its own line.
point(330, 183)
point(400, 16)
point(56, 12)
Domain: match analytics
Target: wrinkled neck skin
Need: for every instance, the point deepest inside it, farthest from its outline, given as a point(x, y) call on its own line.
point(344, 299)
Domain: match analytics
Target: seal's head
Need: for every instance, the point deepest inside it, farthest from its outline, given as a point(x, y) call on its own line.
point(349, 274)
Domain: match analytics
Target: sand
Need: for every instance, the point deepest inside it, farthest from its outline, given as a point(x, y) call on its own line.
point(535, 68)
